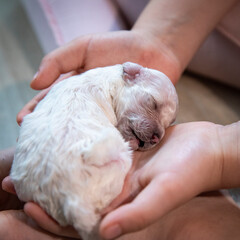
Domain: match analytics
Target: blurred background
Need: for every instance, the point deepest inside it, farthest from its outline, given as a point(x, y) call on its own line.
point(20, 55)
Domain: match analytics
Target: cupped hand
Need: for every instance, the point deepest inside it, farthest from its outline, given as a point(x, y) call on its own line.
point(185, 164)
point(101, 50)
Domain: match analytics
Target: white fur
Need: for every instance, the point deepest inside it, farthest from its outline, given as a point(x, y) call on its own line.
point(70, 157)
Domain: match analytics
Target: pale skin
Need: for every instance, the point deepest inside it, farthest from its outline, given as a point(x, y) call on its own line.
point(203, 158)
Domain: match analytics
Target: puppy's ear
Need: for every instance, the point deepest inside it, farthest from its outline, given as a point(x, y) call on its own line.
point(131, 71)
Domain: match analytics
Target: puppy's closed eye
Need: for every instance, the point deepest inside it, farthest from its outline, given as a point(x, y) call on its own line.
point(149, 101)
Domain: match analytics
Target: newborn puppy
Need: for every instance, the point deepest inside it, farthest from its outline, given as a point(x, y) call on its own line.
point(145, 106)
point(73, 151)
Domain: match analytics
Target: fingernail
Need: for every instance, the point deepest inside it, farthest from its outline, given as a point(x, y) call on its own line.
point(113, 232)
point(35, 76)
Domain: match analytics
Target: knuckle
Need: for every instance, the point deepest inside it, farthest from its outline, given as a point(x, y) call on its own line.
point(139, 222)
point(47, 59)
point(50, 58)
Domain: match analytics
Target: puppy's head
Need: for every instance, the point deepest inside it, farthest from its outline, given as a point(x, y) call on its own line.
point(145, 106)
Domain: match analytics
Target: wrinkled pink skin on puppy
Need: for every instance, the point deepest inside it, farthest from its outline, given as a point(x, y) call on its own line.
point(131, 71)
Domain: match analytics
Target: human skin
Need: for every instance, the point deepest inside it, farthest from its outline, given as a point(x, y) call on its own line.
point(165, 37)
point(192, 158)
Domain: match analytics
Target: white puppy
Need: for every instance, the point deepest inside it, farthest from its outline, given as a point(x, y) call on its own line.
point(73, 151)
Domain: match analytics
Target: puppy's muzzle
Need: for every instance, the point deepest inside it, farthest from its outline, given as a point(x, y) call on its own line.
point(141, 134)
point(145, 139)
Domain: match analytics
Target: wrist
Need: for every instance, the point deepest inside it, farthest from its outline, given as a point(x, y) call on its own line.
point(229, 151)
point(158, 55)
point(182, 26)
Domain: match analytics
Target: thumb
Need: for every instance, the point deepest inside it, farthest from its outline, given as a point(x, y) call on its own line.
point(29, 107)
point(67, 58)
point(35, 212)
point(156, 199)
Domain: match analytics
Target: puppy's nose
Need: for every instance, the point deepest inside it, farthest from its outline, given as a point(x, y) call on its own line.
point(131, 71)
point(154, 139)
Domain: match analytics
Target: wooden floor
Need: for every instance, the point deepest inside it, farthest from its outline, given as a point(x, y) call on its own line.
point(20, 54)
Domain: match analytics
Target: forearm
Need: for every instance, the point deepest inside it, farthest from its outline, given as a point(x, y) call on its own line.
point(182, 25)
point(229, 139)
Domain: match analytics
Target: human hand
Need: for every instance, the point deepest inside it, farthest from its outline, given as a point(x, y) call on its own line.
point(11, 213)
point(100, 50)
point(186, 163)
point(29, 107)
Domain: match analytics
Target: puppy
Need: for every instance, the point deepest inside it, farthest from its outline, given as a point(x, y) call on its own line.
point(74, 149)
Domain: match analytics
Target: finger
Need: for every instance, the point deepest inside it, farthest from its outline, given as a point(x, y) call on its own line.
point(16, 225)
point(63, 60)
point(7, 185)
point(46, 222)
point(29, 107)
point(6, 158)
point(153, 202)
